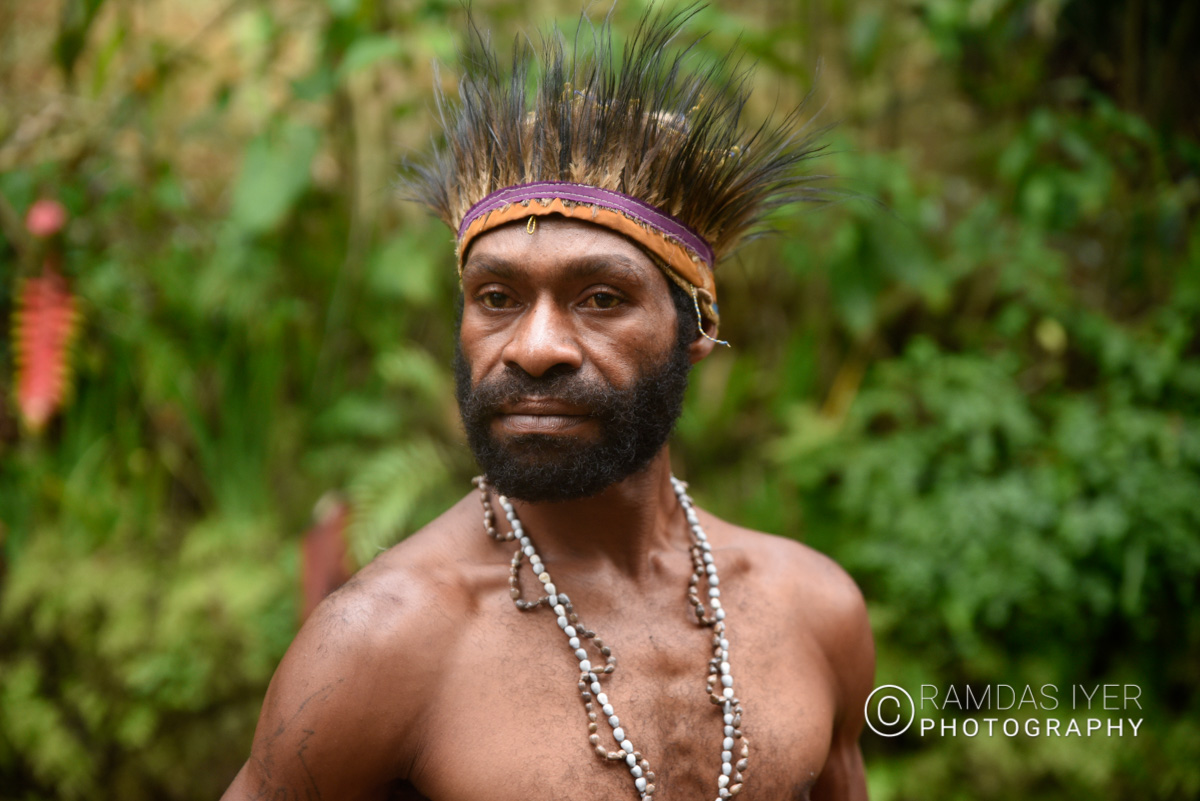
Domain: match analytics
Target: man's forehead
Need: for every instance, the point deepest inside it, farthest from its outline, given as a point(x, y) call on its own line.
point(572, 248)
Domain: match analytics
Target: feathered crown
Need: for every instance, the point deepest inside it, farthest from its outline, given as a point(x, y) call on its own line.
point(642, 143)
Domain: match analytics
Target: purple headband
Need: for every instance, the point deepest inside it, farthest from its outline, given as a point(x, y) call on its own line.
point(631, 207)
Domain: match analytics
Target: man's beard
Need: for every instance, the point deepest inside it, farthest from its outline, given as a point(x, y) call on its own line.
point(634, 424)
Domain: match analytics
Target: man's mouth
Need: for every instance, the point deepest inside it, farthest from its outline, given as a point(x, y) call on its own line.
point(540, 416)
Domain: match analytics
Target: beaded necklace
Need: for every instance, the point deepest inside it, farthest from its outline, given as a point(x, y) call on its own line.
point(730, 779)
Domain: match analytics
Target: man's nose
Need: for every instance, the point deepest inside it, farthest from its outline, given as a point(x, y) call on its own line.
point(545, 338)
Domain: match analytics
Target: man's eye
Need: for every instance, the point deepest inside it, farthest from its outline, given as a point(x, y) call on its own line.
point(603, 300)
point(494, 300)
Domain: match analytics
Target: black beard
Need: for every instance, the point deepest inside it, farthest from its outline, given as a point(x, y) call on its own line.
point(634, 425)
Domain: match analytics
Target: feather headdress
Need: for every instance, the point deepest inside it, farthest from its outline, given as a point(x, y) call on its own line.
point(642, 142)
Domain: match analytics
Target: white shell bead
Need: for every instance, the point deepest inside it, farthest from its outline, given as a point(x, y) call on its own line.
point(618, 734)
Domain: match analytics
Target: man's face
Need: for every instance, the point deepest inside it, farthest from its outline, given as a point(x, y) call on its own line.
point(569, 372)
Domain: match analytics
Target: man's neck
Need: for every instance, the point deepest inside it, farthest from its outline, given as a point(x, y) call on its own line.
point(617, 529)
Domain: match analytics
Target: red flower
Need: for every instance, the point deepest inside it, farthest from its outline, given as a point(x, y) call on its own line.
point(43, 327)
point(45, 218)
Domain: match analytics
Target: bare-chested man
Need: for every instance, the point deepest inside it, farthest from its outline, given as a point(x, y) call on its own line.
point(447, 669)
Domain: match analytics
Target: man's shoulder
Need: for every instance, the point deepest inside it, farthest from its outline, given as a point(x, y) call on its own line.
point(811, 591)
point(416, 582)
point(345, 708)
point(793, 570)
point(395, 615)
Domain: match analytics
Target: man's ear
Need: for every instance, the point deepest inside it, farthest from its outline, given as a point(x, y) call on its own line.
point(702, 345)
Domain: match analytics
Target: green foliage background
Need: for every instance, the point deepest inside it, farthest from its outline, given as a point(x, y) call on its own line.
point(981, 394)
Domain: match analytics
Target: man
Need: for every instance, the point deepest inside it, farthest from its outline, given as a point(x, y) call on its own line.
point(576, 628)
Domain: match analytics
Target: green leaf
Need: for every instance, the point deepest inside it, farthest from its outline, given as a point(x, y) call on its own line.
point(365, 52)
point(274, 172)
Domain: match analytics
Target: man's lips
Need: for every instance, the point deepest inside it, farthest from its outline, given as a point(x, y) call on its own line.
point(540, 416)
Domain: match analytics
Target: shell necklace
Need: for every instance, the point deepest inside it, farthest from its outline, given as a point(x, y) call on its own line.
point(595, 701)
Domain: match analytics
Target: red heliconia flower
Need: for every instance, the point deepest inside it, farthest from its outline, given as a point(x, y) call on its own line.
point(323, 558)
point(44, 327)
point(45, 218)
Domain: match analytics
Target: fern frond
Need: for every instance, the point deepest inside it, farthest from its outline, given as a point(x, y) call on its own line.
point(386, 492)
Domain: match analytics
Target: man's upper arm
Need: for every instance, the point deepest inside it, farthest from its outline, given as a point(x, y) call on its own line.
point(850, 650)
point(337, 722)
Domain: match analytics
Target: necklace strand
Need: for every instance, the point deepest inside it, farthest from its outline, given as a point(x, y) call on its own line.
point(720, 679)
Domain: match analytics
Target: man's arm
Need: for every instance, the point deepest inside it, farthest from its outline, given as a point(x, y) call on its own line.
point(338, 719)
point(850, 650)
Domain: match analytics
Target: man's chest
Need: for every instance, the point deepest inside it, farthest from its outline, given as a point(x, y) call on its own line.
point(508, 720)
